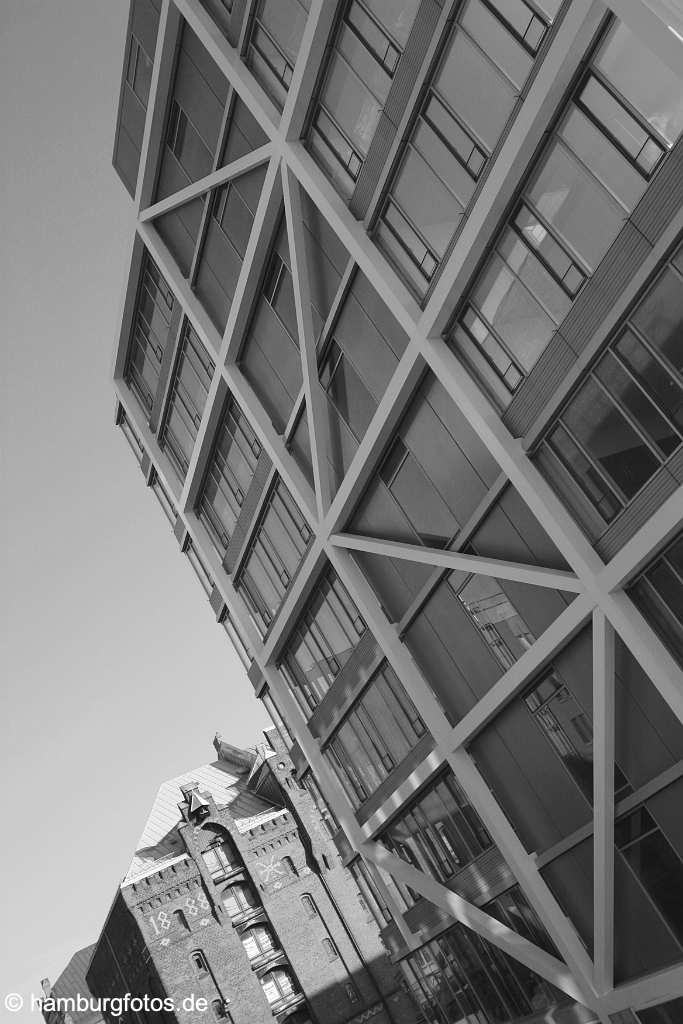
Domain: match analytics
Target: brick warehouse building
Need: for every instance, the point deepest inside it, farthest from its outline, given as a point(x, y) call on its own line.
point(236, 895)
point(400, 358)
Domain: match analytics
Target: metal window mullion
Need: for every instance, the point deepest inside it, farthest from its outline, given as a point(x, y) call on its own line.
point(641, 387)
point(496, 336)
point(547, 227)
point(630, 419)
point(404, 245)
point(647, 344)
point(636, 114)
point(465, 129)
point(670, 613)
point(673, 569)
point(328, 143)
point(612, 487)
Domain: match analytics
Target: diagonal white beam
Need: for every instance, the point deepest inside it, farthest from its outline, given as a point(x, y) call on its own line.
point(537, 576)
point(316, 402)
point(524, 868)
point(266, 219)
point(160, 86)
point(395, 651)
point(480, 922)
point(231, 65)
point(197, 188)
point(554, 638)
point(648, 991)
point(603, 802)
point(330, 785)
point(311, 54)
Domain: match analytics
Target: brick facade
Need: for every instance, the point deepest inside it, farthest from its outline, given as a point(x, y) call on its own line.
point(304, 946)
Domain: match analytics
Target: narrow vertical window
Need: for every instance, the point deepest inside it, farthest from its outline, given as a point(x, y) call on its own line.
point(330, 950)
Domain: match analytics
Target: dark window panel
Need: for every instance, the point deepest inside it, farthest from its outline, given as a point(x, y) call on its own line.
point(377, 734)
point(274, 44)
point(658, 592)
point(322, 642)
point(231, 470)
point(274, 557)
point(186, 405)
point(626, 419)
point(367, 50)
point(150, 335)
point(587, 181)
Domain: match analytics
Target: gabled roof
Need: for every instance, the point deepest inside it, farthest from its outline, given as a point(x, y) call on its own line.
point(226, 782)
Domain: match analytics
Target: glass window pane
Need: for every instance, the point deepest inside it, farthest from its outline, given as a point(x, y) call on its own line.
point(491, 611)
point(572, 201)
point(364, 63)
point(426, 510)
point(355, 404)
point(644, 80)
point(659, 595)
point(585, 474)
point(351, 104)
point(496, 42)
point(603, 159)
point(441, 158)
point(521, 322)
point(397, 16)
point(285, 21)
point(660, 317)
point(432, 208)
point(606, 435)
point(476, 90)
point(534, 275)
point(625, 129)
point(629, 395)
point(659, 870)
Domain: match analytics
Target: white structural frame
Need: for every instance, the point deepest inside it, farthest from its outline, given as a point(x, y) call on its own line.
point(598, 587)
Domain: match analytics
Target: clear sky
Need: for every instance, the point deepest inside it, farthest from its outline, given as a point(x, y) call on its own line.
point(115, 674)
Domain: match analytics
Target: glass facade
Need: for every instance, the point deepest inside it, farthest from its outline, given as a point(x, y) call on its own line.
point(150, 336)
point(274, 43)
point(460, 977)
point(473, 94)
point(346, 390)
point(231, 471)
point(378, 733)
point(322, 642)
point(655, 863)
point(608, 143)
point(275, 554)
point(625, 420)
point(406, 108)
point(191, 382)
point(489, 609)
point(439, 833)
point(367, 50)
point(568, 729)
point(270, 359)
point(658, 592)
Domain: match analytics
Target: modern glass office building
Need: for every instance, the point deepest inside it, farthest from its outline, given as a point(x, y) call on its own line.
point(401, 357)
